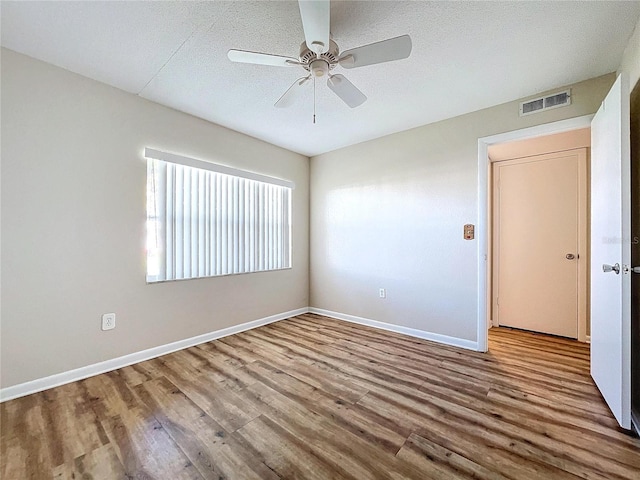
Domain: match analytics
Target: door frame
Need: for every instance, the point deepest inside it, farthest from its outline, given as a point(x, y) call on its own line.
point(483, 230)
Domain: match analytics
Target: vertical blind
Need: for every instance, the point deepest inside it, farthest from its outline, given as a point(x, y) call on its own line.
point(202, 223)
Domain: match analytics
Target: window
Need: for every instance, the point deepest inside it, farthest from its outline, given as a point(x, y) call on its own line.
point(205, 219)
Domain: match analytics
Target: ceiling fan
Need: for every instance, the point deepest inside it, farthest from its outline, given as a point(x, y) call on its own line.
point(319, 55)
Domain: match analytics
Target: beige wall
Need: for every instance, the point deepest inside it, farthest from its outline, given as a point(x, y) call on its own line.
point(73, 224)
point(389, 213)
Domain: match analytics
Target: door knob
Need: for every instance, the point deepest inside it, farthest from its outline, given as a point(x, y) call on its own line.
point(569, 256)
point(611, 268)
point(635, 269)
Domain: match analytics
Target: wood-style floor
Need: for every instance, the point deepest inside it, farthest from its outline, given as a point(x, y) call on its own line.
point(316, 398)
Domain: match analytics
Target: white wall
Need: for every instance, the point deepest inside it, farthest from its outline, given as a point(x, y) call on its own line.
point(389, 213)
point(631, 57)
point(73, 224)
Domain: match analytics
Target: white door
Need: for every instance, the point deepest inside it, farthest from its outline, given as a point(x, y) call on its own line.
point(540, 242)
point(611, 252)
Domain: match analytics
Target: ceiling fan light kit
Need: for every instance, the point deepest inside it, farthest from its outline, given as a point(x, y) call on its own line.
point(319, 68)
point(319, 55)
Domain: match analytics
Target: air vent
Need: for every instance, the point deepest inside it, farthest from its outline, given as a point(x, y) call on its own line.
point(560, 99)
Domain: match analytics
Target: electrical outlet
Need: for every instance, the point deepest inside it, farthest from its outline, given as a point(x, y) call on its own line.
point(382, 293)
point(108, 321)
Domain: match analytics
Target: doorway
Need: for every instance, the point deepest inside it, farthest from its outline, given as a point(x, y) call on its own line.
point(539, 234)
point(609, 249)
point(484, 208)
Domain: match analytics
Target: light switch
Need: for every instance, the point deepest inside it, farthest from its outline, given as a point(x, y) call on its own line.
point(469, 231)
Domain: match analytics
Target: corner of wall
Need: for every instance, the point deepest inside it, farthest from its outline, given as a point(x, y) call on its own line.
point(631, 57)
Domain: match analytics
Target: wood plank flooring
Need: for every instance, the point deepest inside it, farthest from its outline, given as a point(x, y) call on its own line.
point(316, 398)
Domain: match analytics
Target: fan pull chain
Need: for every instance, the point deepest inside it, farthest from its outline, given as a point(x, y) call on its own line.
point(314, 99)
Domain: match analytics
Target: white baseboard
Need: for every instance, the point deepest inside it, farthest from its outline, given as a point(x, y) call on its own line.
point(435, 337)
point(45, 383)
point(58, 379)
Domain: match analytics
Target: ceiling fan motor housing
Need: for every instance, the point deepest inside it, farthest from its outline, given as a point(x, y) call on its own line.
point(327, 60)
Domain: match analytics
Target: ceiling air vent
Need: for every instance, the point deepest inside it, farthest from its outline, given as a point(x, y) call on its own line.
point(541, 104)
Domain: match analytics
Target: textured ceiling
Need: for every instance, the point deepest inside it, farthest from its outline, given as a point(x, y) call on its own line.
point(466, 56)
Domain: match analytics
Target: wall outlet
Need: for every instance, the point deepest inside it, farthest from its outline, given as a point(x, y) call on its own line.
point(108, 321)
point(382, 293)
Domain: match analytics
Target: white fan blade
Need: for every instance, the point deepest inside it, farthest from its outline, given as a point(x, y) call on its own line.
point(315, 23)
point(346, 90)
point(385, 51)
point(243, 56)
point(293, 93)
